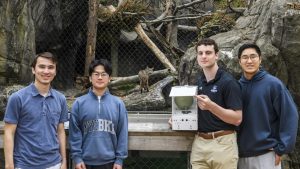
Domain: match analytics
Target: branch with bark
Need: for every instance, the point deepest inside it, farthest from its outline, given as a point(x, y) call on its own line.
point(165, 13)
point(188, 5)
point(160, 55)
point(176, 52)
point(135, 78)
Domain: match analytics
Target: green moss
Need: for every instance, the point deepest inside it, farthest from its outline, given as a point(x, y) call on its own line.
point(222, 4)
point(127, 87)
point(216, 23)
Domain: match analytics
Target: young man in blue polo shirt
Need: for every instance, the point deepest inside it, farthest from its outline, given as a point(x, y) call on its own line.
point(219, 113)
point(34, 135)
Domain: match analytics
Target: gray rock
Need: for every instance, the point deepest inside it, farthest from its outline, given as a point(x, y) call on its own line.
point(276, 29)
point(17, 41)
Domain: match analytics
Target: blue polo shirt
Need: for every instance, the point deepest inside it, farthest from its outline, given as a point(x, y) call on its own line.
point(225, 91)
point(37, 117)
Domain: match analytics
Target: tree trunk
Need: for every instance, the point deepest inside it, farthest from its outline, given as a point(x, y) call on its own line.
point(91, 35)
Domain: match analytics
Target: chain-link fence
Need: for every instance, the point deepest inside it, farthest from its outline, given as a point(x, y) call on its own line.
point(117, 39)
point(145, 160)
point(121, 46)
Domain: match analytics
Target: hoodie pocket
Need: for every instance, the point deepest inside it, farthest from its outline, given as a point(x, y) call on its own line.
point(98, 149)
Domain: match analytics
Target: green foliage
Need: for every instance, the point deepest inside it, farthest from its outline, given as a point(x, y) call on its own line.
point(216, 23)
point(127, 87)
point(222, 4)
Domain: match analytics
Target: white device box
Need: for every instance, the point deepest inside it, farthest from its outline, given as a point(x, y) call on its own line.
point(184, 118)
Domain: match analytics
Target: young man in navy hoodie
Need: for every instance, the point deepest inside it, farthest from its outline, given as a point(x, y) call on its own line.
point(98, 134)
point(270, 117)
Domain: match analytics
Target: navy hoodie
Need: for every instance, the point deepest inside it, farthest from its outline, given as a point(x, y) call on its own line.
point(270, 117)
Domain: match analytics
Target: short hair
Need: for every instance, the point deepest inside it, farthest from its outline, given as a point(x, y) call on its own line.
point(247, 46)
point(46, 55)
point(207, 42)
point(105, 63)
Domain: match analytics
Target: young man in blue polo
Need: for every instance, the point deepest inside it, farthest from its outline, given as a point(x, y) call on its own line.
point(34, 135)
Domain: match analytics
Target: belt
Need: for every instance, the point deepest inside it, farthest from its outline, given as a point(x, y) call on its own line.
point(212, 135)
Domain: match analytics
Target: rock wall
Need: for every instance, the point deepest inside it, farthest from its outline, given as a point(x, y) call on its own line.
point(275, 28)
point(17, 41)
point(28, 27)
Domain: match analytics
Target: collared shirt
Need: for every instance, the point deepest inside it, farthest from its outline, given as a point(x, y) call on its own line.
point(225, 91)
point(37, 117)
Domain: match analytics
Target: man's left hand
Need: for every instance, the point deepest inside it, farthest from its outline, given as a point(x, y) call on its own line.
point(117, 166)
point(277, 159)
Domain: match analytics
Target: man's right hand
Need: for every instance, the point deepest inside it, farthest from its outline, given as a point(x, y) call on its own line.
point(9, 166)
point(80, 166)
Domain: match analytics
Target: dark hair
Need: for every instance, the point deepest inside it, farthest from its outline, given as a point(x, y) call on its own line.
point(105, 63)
point(247, 46)
point(206, 42)
point(46, 55)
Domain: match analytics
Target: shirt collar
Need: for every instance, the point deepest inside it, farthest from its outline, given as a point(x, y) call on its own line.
point(35, 92)
point(94, 95)
point(217, 77)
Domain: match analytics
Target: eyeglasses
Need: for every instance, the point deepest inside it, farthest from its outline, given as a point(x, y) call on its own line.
point(251, 57)
point(97, 74)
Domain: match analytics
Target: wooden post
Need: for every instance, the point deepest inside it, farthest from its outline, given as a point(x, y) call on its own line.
point(91, 35)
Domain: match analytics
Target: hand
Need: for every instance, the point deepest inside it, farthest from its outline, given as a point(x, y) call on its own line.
point(117, 166)
point(203, 101)
point(9, 166)
point(170, 122)
point(277, 159)
point(80, 166)
point(63, 165)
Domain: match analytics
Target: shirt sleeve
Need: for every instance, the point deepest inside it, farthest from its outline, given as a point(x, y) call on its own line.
point(75, 135)
point(12, 112)
point(288, 125)
point(122, 135)
point(233, 95)
point(64, 108)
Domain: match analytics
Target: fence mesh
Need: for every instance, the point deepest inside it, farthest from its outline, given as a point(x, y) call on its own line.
point(131, 52)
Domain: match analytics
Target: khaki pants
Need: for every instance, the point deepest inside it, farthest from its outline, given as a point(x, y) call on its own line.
point(217, 153)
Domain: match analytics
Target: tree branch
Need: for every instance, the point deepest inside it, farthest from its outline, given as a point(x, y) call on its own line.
point(188, 28)
point(188, 5)
point(176, 52)
point(165, 13)
point(174, 18)
point(160, 55)
point(135, 78)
